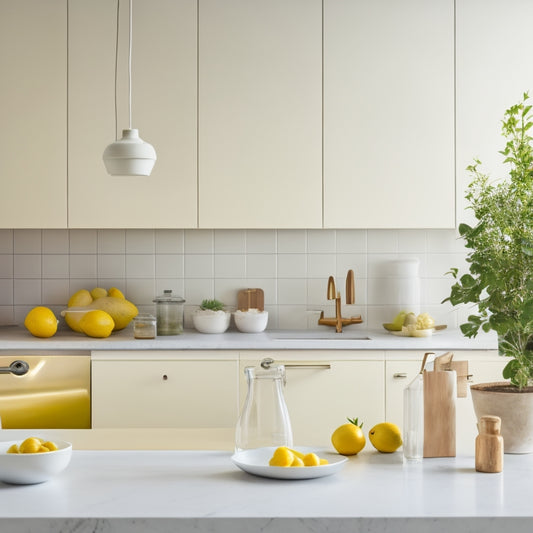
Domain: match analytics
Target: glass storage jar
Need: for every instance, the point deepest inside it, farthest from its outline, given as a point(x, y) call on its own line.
point(169, 312)
point(144, 327)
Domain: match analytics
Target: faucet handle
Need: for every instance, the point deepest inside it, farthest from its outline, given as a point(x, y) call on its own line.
point(331, 288)
point(350, 288)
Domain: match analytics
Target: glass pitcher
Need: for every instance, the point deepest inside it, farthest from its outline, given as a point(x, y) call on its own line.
point(264, 420)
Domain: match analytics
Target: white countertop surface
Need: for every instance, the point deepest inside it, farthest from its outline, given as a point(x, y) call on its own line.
point(195, 488)
point(352, 338)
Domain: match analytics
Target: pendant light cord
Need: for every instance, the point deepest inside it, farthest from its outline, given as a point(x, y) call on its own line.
point(116, 68)
point(129, 59)
point(129, 65)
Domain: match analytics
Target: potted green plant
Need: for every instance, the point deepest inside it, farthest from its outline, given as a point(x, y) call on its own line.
point(499, 283)
point(211, 317)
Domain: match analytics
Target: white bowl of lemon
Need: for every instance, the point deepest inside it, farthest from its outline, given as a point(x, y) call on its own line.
point(33, 460)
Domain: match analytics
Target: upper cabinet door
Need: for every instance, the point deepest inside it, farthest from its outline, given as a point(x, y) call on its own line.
point(164, 105)
point(33, 114)
point(494, 55)
point(260, 114)
point(389, 114)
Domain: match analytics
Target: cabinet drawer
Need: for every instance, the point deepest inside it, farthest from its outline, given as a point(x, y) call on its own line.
point(165, 394)
point(321, 395)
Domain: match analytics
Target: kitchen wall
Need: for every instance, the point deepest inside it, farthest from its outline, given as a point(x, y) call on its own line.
point(43, 267)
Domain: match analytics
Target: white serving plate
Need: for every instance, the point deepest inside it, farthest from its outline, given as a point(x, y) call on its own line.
point(256, 462)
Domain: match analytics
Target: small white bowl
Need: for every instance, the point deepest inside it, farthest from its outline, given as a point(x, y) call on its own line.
point(207, 321)
point(31, 468)
point(251, 321)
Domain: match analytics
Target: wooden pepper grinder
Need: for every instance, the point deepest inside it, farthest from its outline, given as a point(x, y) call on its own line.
point(489, 445)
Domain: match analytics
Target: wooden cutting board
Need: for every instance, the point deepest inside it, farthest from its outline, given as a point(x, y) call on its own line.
point(440, 390)
point(251, 299)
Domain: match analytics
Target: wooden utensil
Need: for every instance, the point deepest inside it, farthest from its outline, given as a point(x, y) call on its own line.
point(251, 299)
point(440, 391)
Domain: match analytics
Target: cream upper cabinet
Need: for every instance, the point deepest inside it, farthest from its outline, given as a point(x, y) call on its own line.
point(260, 114)
point(164, 105)
point(33, 114)
point(494, 51)
point(389, 114)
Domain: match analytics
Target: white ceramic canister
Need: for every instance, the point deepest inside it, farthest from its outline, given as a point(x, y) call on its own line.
point(404, 285)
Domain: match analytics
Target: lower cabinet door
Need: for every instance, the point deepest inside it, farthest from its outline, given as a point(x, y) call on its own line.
point(164, 394)
point(321, 395)
point(481, 368)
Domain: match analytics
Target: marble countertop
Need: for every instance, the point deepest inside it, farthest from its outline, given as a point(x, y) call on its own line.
point(15, 338)
point(203, 491)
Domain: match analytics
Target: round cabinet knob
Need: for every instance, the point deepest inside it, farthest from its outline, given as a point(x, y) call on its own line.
point(165, 377)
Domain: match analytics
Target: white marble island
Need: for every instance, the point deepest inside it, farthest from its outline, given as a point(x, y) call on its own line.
point(200, 491)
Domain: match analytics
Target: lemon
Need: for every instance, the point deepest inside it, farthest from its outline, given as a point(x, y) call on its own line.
point(311, 459)
point(14, 448)
point(51, 446)
point(97, 324)
point(117, 293)
point(297, 461)
point(41, 322)
point(80, 298)
point(349, 439)
point(282, 457)
point(98, 292)
point(30, 445)
point(385, 437)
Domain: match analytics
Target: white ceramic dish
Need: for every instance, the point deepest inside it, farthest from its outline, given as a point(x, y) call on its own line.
point(211, 321)
point(256, 462)
point(31, 468)
point(251, 321)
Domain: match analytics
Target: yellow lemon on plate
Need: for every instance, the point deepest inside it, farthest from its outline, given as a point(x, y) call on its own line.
point(97, 323)
point(41, 322)
point(385, 437)
point(349, 439)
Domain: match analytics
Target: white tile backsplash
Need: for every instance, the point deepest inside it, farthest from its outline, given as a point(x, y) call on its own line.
point(261, 241)
point(55, 241)
point(27, 241)
point(44, 267)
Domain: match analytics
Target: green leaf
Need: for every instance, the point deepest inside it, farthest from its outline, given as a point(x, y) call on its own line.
point(464, 229)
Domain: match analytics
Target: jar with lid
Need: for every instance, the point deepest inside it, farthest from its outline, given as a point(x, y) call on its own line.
point(169, 312)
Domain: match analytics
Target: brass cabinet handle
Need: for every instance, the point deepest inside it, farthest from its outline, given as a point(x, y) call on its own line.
point(399, 375)
point(309, 366)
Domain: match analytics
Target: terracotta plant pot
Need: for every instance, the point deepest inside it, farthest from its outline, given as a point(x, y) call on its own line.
point(515, 410)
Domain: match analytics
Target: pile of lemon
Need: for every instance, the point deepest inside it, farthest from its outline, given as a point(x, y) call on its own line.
point(33, 445)
point(96, 313)
point(284, 456)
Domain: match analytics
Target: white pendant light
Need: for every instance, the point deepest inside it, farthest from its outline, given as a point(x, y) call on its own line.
point(130, 155)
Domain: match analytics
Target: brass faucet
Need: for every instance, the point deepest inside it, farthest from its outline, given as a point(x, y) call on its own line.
point(338, 321)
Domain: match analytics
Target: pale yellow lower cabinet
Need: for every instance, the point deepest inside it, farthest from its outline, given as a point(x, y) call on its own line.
point(164, 393)
point(321, 393)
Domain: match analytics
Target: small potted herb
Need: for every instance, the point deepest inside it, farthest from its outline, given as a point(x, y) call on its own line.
point(211, 317)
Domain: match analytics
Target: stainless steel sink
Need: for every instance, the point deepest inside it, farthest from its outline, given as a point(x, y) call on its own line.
point(318, 335)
